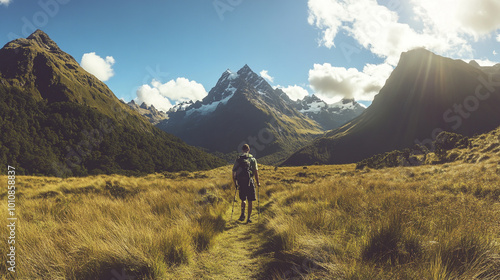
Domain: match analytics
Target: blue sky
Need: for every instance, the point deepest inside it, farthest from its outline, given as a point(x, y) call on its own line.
point(172, 50)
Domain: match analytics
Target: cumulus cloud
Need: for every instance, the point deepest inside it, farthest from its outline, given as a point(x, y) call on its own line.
point(5, 2)
point(498, 38)
point(448, 31)
point(295, 92)
point(334, 83)
point(98, 66)
point(461, 20)
point(162, 96)
point(181, 89)
point(264, 74)
point(152, 96)
point(374, 26)
point(483, 62)
point(475, 18)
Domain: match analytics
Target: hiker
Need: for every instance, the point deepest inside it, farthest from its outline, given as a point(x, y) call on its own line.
point(244, 169)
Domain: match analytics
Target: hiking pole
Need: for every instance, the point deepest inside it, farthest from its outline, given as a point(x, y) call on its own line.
point(234, 199)
point(258, 202)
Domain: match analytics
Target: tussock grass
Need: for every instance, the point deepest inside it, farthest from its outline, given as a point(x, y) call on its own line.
point(105, 227)
point(426, 222)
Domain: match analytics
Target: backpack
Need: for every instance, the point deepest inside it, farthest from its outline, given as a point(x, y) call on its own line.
point(244, 171)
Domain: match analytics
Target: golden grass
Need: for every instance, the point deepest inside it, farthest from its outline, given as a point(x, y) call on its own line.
point(318, 222)
point(428, 222)
point(105, 226)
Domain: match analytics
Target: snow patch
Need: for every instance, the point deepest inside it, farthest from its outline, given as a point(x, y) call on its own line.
point(231, 89)
point(232, 75)
point(179, 107)
point(209, 108)
point(343, 106)
point(315, 107)
point(260, 83)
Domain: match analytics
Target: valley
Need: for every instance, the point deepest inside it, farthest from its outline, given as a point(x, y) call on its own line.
point(434, 221)
point(407, 188)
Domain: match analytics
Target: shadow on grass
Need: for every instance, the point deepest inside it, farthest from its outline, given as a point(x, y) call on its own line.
point(288, 266)
point(116, 269)
point(284, 264)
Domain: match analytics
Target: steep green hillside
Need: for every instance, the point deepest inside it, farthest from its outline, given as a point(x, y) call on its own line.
point(57, 119)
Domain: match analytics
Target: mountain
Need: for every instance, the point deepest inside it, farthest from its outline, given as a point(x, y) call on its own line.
point(329, 116)
point(424, 95)
point(243, 108)
point(149, 112)
point(57, 119)
point(180, 107)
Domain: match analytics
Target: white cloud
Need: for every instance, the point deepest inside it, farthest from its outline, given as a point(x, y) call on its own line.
point(495, 52)
point(460, 18)
point(498, 38)
point(482, 62)
point(334, 83)
point(264, 74)
point(329, 16)
point(446, 27)
point(374, 26)
point(478, 17)
point(5, 2)
point(97, 66)
point(181, 89)
point(151, 96)
point(162, 96)
point(295, 92)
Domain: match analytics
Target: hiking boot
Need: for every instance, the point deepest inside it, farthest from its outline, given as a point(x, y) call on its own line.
point(249, 221)
point(242, 218)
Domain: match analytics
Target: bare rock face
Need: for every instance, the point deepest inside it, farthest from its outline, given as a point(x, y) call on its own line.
point(149, 112)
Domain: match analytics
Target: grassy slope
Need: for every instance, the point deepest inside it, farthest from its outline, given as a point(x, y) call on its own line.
point(58, 119)
point(429, 222)
point(95, 227)
point(319, 222)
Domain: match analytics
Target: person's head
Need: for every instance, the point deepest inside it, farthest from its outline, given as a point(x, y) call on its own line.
point(245, 148)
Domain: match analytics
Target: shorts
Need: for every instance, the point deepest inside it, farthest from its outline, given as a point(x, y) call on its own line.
point(247, 191)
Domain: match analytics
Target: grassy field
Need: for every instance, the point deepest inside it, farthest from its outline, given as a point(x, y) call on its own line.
point(428, 222)
point(106, 226)
point(317, 222)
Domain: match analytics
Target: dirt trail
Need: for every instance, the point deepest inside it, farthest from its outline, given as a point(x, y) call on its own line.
point(237, 253)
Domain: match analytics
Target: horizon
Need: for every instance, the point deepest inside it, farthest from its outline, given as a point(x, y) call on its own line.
point(176, 51)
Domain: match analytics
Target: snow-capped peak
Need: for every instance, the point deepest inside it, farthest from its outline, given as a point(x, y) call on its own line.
point(255, 80)
point(205, 109)
point(179, 107)
point(345, 103)
point(329, 116)
point(313, 104)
